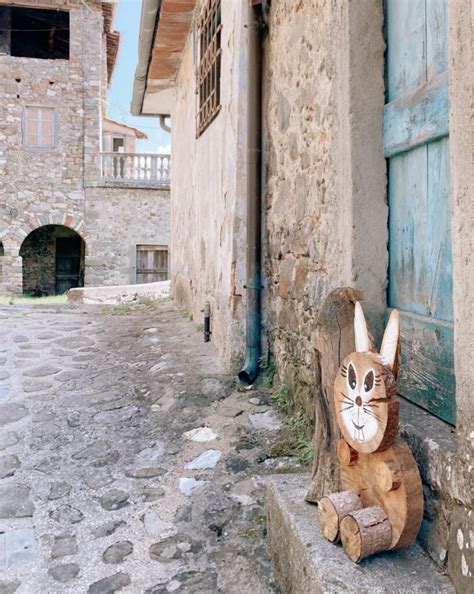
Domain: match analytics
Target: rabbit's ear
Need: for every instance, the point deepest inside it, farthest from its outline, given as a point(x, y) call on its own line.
point(390, 343)
point(360, 328)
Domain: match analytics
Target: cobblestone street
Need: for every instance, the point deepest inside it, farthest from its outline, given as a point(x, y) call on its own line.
point(127, 461)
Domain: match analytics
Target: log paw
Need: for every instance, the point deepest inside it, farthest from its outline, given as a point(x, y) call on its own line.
point(365, 532)
point(333, 508)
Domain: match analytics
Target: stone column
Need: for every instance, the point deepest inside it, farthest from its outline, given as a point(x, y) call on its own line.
point(11, 278)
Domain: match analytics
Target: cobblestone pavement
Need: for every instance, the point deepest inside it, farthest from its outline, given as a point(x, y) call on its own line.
point(127, 461)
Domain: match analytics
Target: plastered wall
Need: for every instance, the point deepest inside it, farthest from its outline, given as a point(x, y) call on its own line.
point(208, 194)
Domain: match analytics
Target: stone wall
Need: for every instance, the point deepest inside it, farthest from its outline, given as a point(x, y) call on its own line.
point(46, 186)
point(117, 220)
point(207, 215)
point(320, 171)
point(461, 545)
point(59, 186)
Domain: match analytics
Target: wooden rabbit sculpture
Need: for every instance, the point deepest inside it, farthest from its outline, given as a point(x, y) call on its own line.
point(381, 507)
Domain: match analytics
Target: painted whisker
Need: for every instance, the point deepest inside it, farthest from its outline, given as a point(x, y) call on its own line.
point(371, 403)
point(347, 402)
point(372, 413)
point(347, 407)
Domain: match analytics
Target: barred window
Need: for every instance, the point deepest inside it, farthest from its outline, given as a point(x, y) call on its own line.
point(209, 68)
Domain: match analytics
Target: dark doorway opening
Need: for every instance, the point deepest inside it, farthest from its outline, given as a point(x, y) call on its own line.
point(53, 261)
point(68, 263)
point(35, 33)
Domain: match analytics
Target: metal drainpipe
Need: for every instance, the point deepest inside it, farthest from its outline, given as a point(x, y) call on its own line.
point(254, 195)
point(163, 125)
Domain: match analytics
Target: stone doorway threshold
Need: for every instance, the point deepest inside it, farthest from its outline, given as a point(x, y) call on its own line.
point(304, 562)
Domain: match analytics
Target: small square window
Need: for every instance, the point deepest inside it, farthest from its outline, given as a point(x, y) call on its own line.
point(39, 127)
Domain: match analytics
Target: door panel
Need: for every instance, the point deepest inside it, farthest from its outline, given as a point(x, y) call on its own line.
point(68, 263)
point(416, 145)
point(152, 263)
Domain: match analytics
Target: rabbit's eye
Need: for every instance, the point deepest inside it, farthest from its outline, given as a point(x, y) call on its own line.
point(352, 377)
point(369, 381)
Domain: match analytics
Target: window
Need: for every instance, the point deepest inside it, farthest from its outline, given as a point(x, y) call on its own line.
point(39, 127)
point(118, 144)
point(35, 33)
point(209, 68)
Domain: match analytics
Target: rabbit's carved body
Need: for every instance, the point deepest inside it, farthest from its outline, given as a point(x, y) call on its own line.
point(381, 507)
point(389, 479)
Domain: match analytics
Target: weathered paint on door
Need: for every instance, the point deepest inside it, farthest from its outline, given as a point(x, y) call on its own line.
point(416, 146)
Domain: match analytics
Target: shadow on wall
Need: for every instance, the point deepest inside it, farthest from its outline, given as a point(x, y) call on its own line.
point(53, 261)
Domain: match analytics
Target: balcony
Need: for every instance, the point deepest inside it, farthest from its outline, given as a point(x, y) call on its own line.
point(135, 169)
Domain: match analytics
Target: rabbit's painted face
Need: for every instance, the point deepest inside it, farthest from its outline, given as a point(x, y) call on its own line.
point(361, 400)
point(365, 389)
point(359, 407)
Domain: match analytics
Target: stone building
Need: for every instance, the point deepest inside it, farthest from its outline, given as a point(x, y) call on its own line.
point(352, 104)
point(78, 205)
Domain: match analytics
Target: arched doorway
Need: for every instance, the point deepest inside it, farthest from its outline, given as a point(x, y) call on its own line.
point(53, 261)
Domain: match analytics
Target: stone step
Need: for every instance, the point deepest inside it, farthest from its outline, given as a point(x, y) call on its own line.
point(306, 563)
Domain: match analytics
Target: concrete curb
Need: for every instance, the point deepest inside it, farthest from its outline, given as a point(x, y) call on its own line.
point(304, 562)
point(119, 293)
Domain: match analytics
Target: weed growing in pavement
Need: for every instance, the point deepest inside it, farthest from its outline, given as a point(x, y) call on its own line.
point(299, 428)
point(29, 300)
point(147, 301)
point(257, 528)
point(267, 365)
point(296, 434)
point(283, 399)
point(199, 327)
point(122, 309)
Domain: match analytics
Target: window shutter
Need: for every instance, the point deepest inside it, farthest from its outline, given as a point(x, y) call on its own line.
point(40, 127)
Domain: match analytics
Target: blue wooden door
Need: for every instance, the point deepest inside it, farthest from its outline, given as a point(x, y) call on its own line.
point(416, 145)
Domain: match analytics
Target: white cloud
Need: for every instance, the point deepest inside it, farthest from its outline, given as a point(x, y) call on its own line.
point(164, 149)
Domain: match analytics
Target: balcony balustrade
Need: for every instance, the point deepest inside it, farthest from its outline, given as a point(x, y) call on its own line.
point(136, 169)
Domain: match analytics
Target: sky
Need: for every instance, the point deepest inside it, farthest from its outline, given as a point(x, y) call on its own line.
point(127, 21)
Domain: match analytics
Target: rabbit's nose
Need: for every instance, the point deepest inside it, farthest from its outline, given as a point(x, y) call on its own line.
point(359, 401)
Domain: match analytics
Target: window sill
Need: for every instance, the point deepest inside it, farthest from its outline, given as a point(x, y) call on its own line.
point(40, 149)
point(433, 443)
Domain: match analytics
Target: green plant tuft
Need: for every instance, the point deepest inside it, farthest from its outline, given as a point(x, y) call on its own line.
point(122, 309)
point(30, 300)
point(268, 366)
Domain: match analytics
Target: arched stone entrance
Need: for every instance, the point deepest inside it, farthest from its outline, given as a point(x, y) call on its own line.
point(53, 260)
